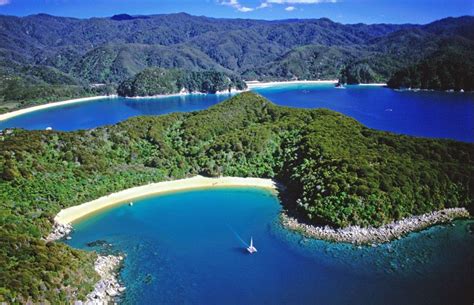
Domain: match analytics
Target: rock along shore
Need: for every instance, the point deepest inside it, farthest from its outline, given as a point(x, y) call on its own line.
point(108, 288)
point(363, 236)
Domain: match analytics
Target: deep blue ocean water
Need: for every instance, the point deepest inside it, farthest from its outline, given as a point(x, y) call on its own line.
point(189, 248)
point(426, 114)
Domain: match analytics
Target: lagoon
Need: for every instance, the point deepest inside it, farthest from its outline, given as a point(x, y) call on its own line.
point(189, 248)
point(424, 113)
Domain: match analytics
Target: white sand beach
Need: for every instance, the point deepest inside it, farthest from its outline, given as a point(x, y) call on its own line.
point(258, 84)
point(71, 214)
point(374, 84)
point(15, 113)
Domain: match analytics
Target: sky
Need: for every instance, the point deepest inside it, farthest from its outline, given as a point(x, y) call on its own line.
point(344, 11)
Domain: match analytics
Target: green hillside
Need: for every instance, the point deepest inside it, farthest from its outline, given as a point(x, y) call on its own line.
point(338, 172)
point(111, 50)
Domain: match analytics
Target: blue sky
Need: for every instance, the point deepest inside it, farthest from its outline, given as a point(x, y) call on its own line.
point(345, 11)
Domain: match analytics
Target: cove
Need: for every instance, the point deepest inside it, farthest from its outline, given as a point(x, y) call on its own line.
point(189, 248)
point(423, 113)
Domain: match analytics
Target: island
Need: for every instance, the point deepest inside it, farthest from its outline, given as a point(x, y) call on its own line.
point(335, 173)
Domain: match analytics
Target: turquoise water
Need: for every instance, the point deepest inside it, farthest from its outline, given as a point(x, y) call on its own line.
point(427, 114)
point(189, 248)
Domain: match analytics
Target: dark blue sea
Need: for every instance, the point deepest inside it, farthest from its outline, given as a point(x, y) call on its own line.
point(189, 248)
point(424, 113)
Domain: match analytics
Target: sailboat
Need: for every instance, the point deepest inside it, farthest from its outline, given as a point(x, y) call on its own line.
point(251, 248)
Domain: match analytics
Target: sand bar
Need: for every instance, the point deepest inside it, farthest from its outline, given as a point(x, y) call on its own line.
point(74, 213)
point(15, 113)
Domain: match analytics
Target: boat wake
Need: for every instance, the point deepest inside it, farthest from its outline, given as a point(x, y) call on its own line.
point(238, 236)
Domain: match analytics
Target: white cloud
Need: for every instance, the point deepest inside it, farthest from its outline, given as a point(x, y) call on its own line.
point(235, 4)
point(267, 3)
point(291, 3)
point(244, 9)
point(4, 2)
point(300, 1)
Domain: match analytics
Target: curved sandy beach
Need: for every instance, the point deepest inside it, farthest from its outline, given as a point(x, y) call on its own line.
point(71, 214)
point(15, 113)
point(353, 234)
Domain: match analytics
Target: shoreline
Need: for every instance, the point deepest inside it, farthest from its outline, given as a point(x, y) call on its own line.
point(108, 288)
point(257, 84)
point(372, 84)
point(63, 221)
point(370, 236)
point(157, 96)
point(12, 114)
point(250, 85)
point(69, 215)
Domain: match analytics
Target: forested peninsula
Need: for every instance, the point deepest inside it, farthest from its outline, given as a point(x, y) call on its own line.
point(337, 173)
point(442, 71)
point(157, 81)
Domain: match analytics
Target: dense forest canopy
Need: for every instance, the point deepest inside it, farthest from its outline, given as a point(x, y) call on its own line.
point(156, 81)
point(443, 71)
point(337, 171)
point(73, 55)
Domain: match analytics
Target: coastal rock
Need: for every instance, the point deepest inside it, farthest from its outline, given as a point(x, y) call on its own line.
point(108, 288)
point(370, 236)
point(59, 231)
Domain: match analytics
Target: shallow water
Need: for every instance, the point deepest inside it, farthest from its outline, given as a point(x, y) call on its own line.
point(189, 248)
point(427, 114)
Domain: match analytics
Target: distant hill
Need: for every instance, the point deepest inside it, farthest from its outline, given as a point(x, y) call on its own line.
point(42, 50)
point(120, 46)
point(442, 71)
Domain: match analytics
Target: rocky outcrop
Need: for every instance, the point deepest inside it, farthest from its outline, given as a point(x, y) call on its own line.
point(108, 288)
point(358, 235)
point(59, 231)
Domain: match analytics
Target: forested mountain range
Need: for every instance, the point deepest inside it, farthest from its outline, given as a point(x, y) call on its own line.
point(71, 53)
point(113, 49)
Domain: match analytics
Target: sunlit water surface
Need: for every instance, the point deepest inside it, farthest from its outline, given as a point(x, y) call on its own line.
point(427, 114)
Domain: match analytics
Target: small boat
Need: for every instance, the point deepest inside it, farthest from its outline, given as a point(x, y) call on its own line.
point(251, 248)
point(131, 203)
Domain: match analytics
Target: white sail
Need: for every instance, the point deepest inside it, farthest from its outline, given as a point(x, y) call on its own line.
point(251, 248)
